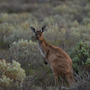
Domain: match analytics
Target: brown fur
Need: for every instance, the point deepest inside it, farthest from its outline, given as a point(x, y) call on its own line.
point(59, 61)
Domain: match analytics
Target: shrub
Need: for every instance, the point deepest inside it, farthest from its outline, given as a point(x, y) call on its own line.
point(81, 57)
point(11, 75)
point(61, 8)
point(27, 53)
point(22, 49)
point(5, 31)
point(14, 27)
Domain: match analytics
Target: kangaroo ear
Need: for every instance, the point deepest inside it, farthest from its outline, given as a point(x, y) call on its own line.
point(33, 29)
point(43, 29)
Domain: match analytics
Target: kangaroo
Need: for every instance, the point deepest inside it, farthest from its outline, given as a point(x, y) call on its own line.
point(59, 61)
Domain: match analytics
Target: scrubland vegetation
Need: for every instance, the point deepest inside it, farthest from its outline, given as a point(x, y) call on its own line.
point(68, 27)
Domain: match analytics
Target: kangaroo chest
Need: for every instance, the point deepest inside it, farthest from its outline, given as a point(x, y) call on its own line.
point(41, 49)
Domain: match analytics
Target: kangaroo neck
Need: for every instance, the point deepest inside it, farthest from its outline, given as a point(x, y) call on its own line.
point(42, 45)
point(40, 41)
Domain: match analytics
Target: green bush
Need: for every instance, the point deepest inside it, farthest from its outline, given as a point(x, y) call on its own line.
point(62, 9)
point(14, 27)
point(11, 75)
point(80, 56)
point(26, 53)
point(23, 49)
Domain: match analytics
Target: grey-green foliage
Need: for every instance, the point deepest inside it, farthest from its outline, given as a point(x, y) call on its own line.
point(27, 53)
point(80, 55)
point(23, 49)
point(11, 75)
point(17, 26)
point(14, 27)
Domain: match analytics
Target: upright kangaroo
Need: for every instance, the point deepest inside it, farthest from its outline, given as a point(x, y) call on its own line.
point(59, 61)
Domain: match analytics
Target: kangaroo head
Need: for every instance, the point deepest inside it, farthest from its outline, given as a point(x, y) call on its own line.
point(38, 33)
